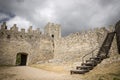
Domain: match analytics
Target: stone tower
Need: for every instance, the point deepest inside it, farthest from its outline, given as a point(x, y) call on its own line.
point(53, 30)
point(4, 26)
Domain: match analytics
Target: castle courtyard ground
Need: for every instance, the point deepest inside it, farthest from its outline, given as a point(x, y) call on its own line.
point(57, 72)
point(30, 73)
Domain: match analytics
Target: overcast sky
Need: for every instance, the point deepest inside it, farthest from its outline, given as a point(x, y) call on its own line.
point(73, 15)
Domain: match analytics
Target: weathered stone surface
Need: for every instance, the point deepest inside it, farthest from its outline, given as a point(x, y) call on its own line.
point(39, 47)
point(50, 46)
point(74, 46)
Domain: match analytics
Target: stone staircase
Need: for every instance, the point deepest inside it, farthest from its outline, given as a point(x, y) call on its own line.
point(93, 61)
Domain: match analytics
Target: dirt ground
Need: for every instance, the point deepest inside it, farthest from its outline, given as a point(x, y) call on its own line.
point(30, 73)
point(58, 72)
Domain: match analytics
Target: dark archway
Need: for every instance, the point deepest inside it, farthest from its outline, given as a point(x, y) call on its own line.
point(21, 59)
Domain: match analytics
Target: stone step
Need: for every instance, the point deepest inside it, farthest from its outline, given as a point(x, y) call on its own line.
point(94, 61)
point(82, 71)
point(84, 67)
point(103, 57)
point(96, 58)
point(91, 62)
point(87, 64)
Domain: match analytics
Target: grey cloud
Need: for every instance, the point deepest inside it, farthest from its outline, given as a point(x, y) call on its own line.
point(89, 14)
point(108, 2)
point(73, 15)
point(114, 12)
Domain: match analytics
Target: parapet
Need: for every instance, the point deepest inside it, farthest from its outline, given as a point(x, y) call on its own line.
point(3, 26)
point(14, 28)
point(52, 25)
point(22, 30)
point(14, 33)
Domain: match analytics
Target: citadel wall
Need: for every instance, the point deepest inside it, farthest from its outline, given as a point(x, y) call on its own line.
point(50, 46)
point(74, 46)
point(38, 46)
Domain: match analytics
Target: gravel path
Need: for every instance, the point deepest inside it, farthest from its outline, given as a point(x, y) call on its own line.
point(30, 73)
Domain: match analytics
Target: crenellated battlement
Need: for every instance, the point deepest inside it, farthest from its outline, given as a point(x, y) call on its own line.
point(14, 28)
point(51, 30)
point(49, 45)
point(15, 34)
point(32, 42)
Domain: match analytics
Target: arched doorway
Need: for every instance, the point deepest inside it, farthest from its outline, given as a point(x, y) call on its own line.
point(21, 59)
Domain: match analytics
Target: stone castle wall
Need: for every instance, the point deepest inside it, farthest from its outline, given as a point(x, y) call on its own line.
point(50, 46)
point(74, 46)
point(38, 46)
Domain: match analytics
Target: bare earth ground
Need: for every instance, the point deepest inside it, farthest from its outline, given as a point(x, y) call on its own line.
point(30, 73)
point(58, 72)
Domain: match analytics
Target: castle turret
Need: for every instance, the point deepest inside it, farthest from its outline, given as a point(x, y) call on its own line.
point(53, 30)
point(4, 26)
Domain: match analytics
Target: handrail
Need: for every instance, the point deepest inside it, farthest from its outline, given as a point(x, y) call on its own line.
point(89, 54)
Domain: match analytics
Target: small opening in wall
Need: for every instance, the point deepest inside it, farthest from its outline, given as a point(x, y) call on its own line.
point(8, 36)
point(52, 36)
point(21, 36)
point(5, 27)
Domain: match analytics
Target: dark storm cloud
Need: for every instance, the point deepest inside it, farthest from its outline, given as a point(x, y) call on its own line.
point(73, 15)
point(23, 8)
point(5, 16)
point(85, 14)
